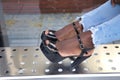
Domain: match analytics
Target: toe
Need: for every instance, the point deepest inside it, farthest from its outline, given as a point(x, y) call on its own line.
point(47, 42)
point(46, 32)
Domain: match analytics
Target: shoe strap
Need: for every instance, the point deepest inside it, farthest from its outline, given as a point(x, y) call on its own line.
point(51, 46)
point(78, 61)
point(84, 50)
point(51, 34)
point(78, 36)
point(81, 57)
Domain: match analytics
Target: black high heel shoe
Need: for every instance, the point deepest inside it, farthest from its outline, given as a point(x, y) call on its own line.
point(47, 50)
point(50, 36)
point(53, 39)
point(54, 56)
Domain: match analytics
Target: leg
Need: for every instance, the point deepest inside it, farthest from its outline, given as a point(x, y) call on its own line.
point(95, 17)
point(99, 15)
point(101, 34)
point(106, 32)
point(70, 47)
point(66, 32)
point(89, 20)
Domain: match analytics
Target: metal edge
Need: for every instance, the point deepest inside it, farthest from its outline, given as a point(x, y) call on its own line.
point(64, 76)
point(3, 26)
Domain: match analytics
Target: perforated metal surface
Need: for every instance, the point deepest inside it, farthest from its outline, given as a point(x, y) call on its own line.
point(29, 61)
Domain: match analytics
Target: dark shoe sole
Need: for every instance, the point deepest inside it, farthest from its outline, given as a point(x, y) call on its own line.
point(52, 56)
point(44, 37)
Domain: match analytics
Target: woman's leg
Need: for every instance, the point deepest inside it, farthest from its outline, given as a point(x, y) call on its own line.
point(101, 34)
point(95, 17)
point(71, 47)
point(106, 32)
point(99, 15)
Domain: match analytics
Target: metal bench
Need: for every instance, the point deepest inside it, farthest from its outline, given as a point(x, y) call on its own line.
point(24, 62)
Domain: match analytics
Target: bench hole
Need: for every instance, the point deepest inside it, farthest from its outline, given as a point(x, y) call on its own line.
point(105, 47)
point(36, 55)
point(100, 68)
point(86, 69)
point(107, 53)
point(2, 50)
point(47, 62)
point(113, 68)
point(118, 53)
point(21, 71)
point(7, 72)
point(60, 70)
point(34, 70)
point(73, 70)
point(96, 54)
point(37, 49)
point(1, 57)
point(11, 56)
point(25, 49)
point(110, 60)
point(98, 61)
point(60, 62)
point(14, 50)
point(116, 46)
point(47, 70)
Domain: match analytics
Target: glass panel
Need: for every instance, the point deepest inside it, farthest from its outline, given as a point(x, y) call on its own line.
point(21, 25)
point(22, 21)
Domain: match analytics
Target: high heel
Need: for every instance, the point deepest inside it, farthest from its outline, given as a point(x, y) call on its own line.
point(54, 56)
point(50, 36)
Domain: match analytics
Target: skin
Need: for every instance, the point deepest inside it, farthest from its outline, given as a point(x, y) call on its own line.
point(68, 31)
point(114, 2)
point(68, 44)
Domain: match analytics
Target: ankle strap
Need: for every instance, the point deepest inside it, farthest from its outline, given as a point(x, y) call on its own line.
point(78, 36)
point(81, 57)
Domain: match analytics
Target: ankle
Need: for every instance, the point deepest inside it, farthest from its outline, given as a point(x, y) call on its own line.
point(79, 26)
point(87, 39)
point(65, 33)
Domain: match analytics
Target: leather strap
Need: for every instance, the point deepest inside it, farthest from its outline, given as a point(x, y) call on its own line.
point(81, 57)
point(78, 36)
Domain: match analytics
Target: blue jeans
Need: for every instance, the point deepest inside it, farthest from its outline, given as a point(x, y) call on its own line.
point(103, 22)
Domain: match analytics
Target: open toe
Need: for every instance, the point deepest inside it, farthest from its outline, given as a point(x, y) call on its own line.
point(49, 34)
point(51, 46)
point(52, 53)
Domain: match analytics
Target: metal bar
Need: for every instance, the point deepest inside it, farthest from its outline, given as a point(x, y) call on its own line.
point(3, 26)
point(69, 77)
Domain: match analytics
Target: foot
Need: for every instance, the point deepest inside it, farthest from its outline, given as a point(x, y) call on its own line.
point(50, 34)
point(70, 47)
point(66, 32)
